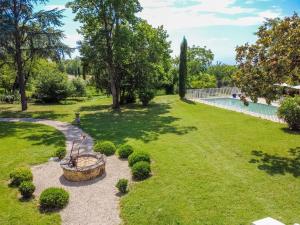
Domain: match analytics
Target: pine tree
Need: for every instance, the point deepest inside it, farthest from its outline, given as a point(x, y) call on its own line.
point(183, 68)
point(26, 34)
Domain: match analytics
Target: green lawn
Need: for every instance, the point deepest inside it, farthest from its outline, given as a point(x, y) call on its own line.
point(24, 144)
point(210, 166)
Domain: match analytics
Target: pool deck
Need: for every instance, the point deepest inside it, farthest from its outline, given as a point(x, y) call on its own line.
point(262, 101)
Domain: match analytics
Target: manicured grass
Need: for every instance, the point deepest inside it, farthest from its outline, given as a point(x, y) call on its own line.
point(210, 166)
point(24, 144)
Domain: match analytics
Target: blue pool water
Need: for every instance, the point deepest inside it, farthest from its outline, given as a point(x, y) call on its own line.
point(267, 110)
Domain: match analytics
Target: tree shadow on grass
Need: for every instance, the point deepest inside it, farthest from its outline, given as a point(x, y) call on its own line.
point(289, 131)
point(47, 138)
point(6, 129)
point(132, 121)
point(94, 108)
point(274, 164)
point(51, 115)
point(39, 137)
point(188, 101)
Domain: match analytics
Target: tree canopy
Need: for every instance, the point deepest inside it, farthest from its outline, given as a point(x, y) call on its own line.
point(124, 53)
point(105, 30)
point(223, 74)
point(274, 58)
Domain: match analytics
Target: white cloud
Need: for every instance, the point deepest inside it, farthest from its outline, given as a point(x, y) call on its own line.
point(217, 6)
point(254, 1)
point(72, 39)
point(59, 7)
point(205, 13)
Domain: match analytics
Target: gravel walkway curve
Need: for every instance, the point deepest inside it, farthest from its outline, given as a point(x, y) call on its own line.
point(93, 202)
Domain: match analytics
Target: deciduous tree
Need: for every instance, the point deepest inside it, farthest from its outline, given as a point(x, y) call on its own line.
point(274, 58)
point(102, 28)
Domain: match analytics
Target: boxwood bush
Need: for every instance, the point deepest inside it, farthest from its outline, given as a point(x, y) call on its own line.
point(122, 185)
point(18, 175)
point(125, 151)
point(105, 147)
point(141, 170)
point(60, 153)
point(26, 189)
point(289, 111)
point(137, 157)
point(53, 199)
point(146, 96)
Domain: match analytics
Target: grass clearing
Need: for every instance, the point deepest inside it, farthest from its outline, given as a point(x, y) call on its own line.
point(211, 166)
point(24, 144)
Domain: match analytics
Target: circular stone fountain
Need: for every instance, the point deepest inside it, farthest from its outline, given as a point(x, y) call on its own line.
point(85, 166)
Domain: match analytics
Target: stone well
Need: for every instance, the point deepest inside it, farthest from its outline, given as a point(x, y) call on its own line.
point(88, 166)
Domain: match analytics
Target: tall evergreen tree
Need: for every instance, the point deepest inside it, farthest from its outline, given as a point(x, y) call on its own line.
point(26, 34)
point(183, 68)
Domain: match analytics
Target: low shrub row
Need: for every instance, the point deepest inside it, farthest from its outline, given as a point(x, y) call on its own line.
point(139, 161)
point(108, 148)
point(137, 157)
point(18, 175)
point(50, 199)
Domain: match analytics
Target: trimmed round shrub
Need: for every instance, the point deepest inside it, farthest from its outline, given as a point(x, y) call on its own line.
point(18, 175)
point(125, 151)
point(26, 189)
point(141, 170)
point(105, 147)
point(122, 185)
point(137, 157)
point(289, 111)
point(146, 96)
point(54, 198)
point(61, 153)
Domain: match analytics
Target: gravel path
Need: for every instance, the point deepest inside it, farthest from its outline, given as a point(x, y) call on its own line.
point(91, 202)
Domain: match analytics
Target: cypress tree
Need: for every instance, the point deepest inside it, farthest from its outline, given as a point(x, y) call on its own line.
point(183, 68)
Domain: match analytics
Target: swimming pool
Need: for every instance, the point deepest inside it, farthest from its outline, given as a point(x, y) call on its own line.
point(235, 104)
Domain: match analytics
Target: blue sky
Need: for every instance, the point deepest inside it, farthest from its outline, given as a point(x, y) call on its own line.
point(220, 25)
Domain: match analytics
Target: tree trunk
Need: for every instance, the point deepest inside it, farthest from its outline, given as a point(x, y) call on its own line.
point(21, 76)
point(110, 61)
point(22, 91)
point(114, 88)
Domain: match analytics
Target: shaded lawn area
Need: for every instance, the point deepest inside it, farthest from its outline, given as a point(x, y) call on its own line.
point(24, 144)
point(210, 166)
point(65, 111)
